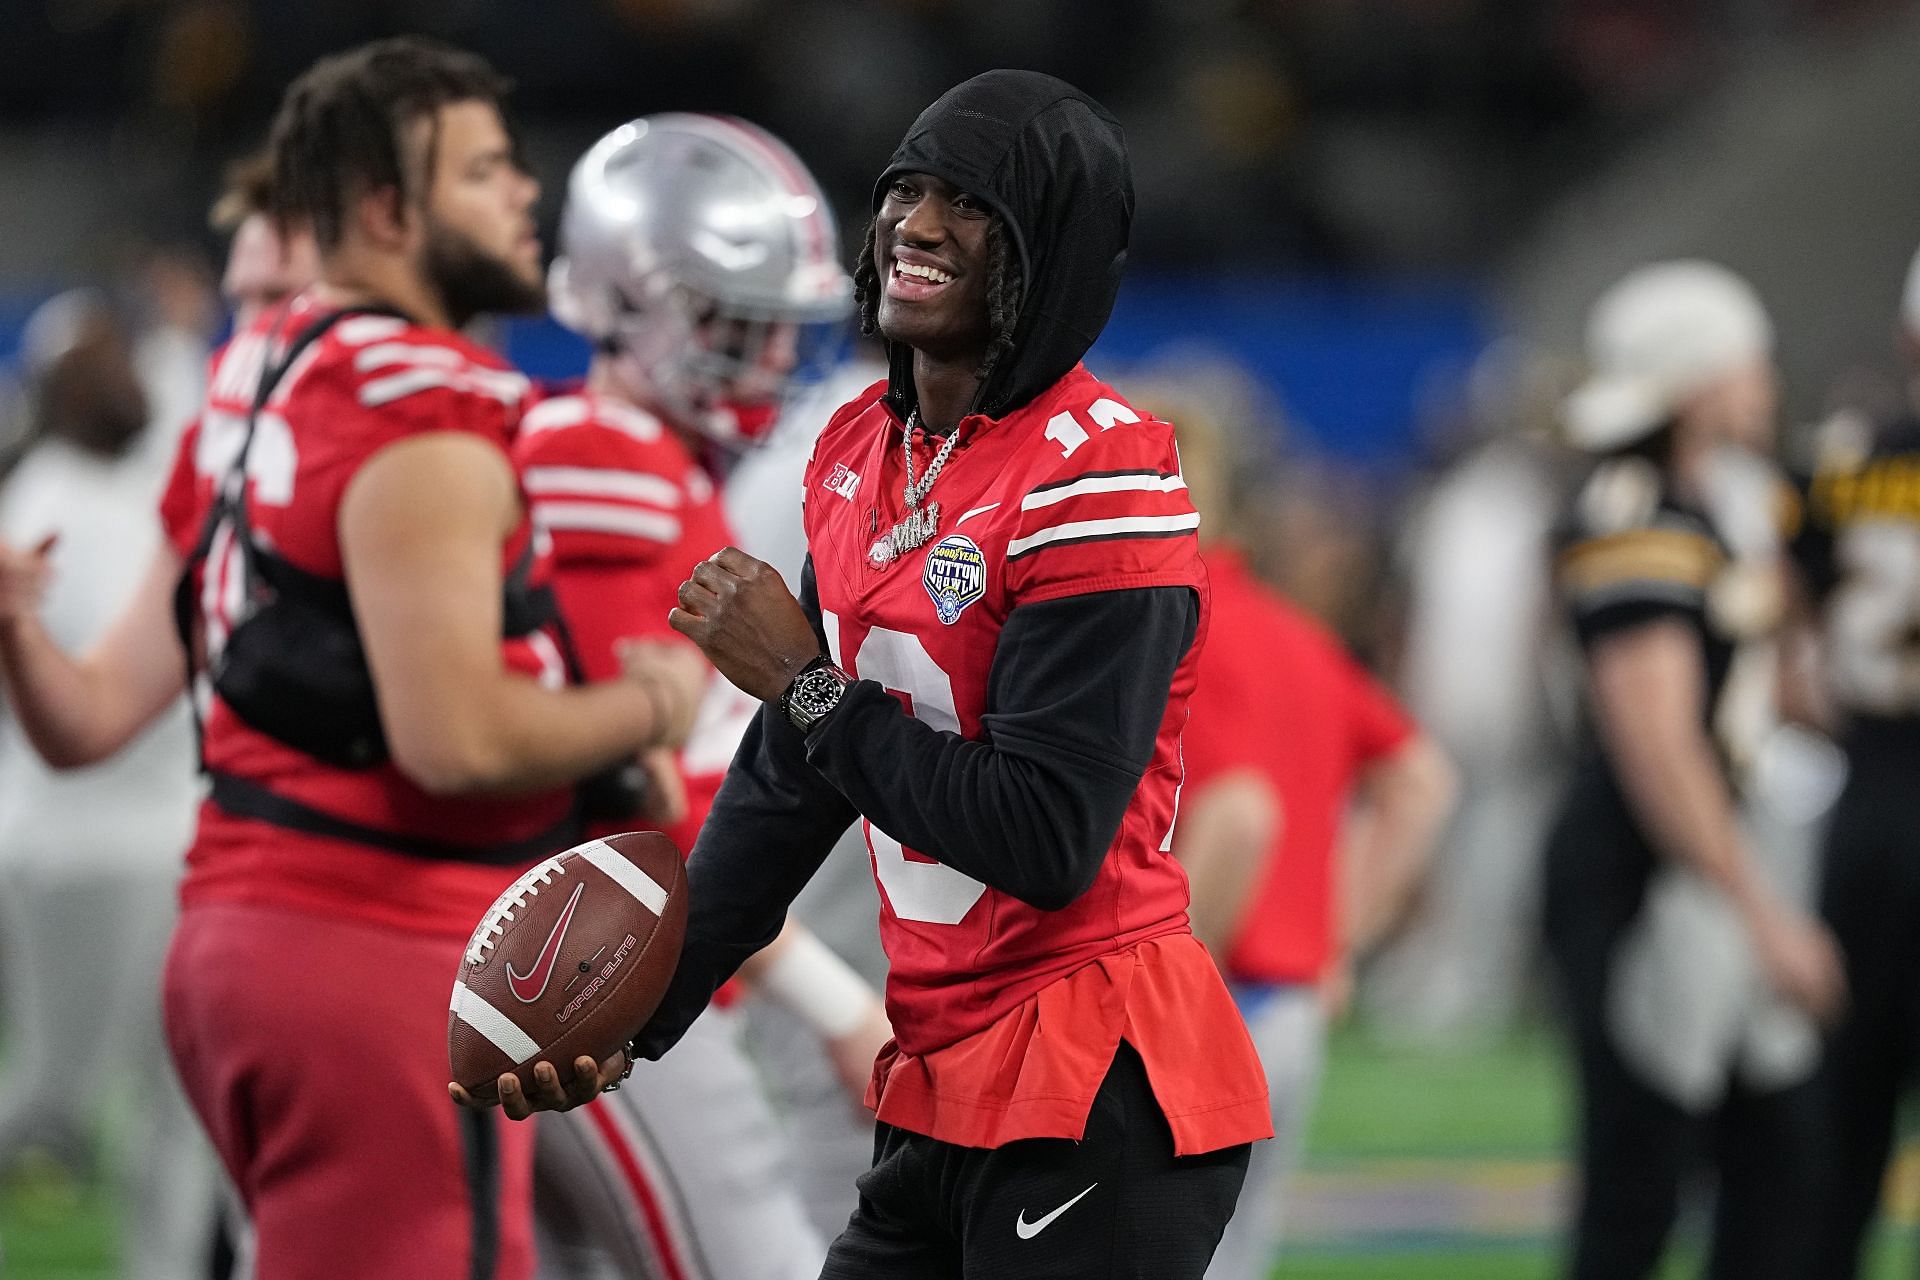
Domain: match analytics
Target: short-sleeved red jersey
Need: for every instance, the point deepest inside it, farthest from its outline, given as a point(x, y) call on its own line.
point(630, 513)
point(1007, 1015)
point(370, 381)
point(1281, 695)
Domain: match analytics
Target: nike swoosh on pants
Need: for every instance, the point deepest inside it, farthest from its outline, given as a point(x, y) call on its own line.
point(1028, 1230)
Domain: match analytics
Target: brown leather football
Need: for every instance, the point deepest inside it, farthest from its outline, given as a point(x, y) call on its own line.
point(572, 959)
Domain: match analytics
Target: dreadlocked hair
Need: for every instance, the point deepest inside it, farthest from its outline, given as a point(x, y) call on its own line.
point(340, 130)
point(1005, 289)
point(866, 283)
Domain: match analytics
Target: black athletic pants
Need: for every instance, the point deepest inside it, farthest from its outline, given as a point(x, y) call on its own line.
point(1117, 1205)
point(1638, 1151)
point(1870, 896)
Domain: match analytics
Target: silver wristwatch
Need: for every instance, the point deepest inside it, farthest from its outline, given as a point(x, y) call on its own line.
point(814, 693)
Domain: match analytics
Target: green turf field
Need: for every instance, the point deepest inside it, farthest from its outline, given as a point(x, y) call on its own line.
point(1422, 1167)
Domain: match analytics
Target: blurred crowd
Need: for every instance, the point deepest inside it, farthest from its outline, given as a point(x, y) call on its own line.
point(1394, 134)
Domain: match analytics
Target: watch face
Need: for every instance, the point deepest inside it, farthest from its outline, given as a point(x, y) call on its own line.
point(816, 693)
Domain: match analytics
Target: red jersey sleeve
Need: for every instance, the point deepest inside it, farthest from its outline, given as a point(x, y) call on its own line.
point(1112, 514)
point(1380, 724)
point(181, 510)
point(602, 490)
point(412, 386)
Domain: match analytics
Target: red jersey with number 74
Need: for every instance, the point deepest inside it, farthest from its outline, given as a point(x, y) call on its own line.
point(1072, 493)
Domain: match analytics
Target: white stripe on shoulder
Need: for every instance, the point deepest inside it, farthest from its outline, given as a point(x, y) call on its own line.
point(637, 423)
point(580, 410)
point(604, 482)
point(503, 385)
point(357, 331)
point(396, 386)
point(507, 388)
point(1131, 482)
point(1104, 529)
point(500, 1030)
point(551, 415)
point(386, 353)
point(598, 517)
point(642, 886)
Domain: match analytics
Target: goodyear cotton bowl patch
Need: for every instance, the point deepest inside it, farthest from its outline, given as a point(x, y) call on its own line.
point(956, 576)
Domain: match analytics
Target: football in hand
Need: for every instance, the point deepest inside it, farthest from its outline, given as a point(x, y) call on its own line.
point(572, 959)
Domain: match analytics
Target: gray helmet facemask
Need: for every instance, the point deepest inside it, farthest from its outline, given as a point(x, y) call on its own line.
point(701, 254)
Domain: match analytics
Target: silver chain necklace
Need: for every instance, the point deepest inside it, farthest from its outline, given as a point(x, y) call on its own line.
point(916, 524)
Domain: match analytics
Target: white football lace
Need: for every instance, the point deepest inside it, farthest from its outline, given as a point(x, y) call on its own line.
point(495, 923)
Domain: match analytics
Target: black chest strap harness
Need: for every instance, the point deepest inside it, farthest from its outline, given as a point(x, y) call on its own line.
point(293, 666)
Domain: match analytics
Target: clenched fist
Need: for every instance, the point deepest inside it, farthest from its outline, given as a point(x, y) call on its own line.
point(740, 613)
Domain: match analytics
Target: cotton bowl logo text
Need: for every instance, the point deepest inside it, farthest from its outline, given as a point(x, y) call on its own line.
point(955, 577)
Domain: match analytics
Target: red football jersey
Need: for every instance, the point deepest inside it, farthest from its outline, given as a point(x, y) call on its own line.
point(369, 382)
point(1281, 695)
point(1073, 493)
point(630, 512)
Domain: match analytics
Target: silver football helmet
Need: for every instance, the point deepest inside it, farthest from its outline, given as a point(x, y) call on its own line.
point(700, 253)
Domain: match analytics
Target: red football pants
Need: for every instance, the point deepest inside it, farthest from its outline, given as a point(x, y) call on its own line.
point(315, 1052)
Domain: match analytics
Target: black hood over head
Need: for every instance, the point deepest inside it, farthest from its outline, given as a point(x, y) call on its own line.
point(1052, 163)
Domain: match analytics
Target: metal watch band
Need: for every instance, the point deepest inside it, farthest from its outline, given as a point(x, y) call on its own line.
point(814, 693)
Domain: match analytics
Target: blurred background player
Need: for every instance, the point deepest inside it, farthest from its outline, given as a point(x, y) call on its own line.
point(1859, 553)
point(267, 263)
point(698, 255)
point(96, 491)
point(1691, 975)
point(1487, 668)
point(352, 847)
point(1310, 806)
point(91, 857)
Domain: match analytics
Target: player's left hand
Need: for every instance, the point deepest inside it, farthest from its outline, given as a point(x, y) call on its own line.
point(590, 1079)
point(740, 613)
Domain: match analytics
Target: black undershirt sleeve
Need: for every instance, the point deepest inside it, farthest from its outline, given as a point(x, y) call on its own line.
point(1075, 698)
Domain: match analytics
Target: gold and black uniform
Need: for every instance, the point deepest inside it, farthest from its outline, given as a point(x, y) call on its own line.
point(1859, 551)
point(1633, 553)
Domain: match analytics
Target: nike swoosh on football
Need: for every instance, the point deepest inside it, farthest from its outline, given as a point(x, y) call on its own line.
point(1028, 1230)
point(526, 987)
point(976, 511)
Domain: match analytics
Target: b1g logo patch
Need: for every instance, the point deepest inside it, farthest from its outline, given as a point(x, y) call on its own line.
point(956, 576)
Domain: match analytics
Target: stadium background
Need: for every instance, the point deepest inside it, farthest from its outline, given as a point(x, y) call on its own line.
point(1378, 221)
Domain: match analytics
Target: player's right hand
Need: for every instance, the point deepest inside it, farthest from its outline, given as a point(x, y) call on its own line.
point(590, 1079)
point(675, 676)
point(24, 574)
point(1801, 961)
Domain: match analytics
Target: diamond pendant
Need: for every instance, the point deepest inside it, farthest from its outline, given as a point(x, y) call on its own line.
point(915, 528)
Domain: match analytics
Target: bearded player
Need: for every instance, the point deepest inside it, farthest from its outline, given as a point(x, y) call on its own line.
point(989, 663)
point(699, 256)
point(388, 738)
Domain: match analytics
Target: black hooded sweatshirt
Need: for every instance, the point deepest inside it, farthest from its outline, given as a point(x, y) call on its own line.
point(1026, 808)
